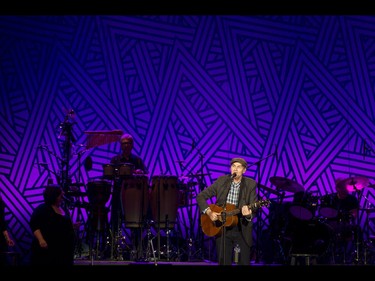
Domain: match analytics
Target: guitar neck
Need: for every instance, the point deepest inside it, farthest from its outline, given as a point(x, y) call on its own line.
point(252, 206)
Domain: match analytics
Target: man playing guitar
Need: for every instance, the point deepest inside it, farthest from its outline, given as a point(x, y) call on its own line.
point(230, 219)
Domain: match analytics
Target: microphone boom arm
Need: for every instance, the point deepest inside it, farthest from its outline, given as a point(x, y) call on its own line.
point(261, 160)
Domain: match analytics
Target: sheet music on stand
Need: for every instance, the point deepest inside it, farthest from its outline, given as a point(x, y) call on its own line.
point(97, 138)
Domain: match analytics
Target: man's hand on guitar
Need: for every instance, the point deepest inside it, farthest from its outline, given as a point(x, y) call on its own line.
point(246, 211)
point(214, 216)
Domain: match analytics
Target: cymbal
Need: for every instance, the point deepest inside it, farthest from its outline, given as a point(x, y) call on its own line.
point(354, 183)
point(286, 184)
point(270, 190)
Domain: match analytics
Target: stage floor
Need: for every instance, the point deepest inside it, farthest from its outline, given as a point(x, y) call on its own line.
point(199, 269)
point(109, 270)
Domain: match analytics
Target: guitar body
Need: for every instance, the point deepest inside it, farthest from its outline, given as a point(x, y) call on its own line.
point(213, 228)
point(227, 218)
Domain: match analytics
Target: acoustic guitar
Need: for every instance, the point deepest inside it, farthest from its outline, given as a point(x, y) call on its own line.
point(228, 217)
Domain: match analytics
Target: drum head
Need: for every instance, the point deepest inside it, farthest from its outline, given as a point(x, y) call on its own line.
point(300, 212)
point(327, 212)
point(328, 208)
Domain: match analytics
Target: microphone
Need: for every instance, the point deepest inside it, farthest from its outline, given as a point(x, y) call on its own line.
point(276, 153)
point(232, 176)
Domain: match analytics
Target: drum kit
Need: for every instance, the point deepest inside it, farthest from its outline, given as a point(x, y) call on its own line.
point(315, 224)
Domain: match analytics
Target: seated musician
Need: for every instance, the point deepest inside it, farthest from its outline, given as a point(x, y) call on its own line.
point(127, 156)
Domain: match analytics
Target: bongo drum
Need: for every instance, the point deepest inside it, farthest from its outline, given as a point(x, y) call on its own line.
point(113, 170)
point(164, 200)
point(108, 171)
point(134, 200)
point(126, 169)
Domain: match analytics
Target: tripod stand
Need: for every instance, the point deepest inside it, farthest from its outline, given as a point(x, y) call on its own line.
point(115, 221)
point(357, 232)
point(200, 236)
point(257, 245)
point(150, 244)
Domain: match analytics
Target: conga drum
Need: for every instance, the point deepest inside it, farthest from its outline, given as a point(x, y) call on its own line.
point(164, 200)
point(134, 200)
point(98, 193)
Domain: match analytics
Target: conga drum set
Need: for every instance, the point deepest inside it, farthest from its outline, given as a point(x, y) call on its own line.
point(142, 203)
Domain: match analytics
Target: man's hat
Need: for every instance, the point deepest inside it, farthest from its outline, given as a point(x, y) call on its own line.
point(239, 160)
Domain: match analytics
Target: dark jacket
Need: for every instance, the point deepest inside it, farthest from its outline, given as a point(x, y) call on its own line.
point(220, 189)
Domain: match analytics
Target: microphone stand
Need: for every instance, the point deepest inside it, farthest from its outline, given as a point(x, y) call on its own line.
point(223, 229)
point(58, 177)
point(66, 131)
point(79, 154)
point(200, 237)
point(258, 213)
point(223, 244)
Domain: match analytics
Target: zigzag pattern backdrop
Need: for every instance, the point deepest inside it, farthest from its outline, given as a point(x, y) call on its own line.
point(294, 95)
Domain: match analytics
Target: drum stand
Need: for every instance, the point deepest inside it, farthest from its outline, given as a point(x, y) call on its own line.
point(357, 231)
point(199, 237)
point(150, 245)
point(116, 230)
point(97, 233)
point(189, 204)
point(159, 214)
point(368, 243)
point(167, 223)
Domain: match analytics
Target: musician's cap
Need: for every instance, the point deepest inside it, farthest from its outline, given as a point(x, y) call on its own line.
point(239, 160)
point(126, 138)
